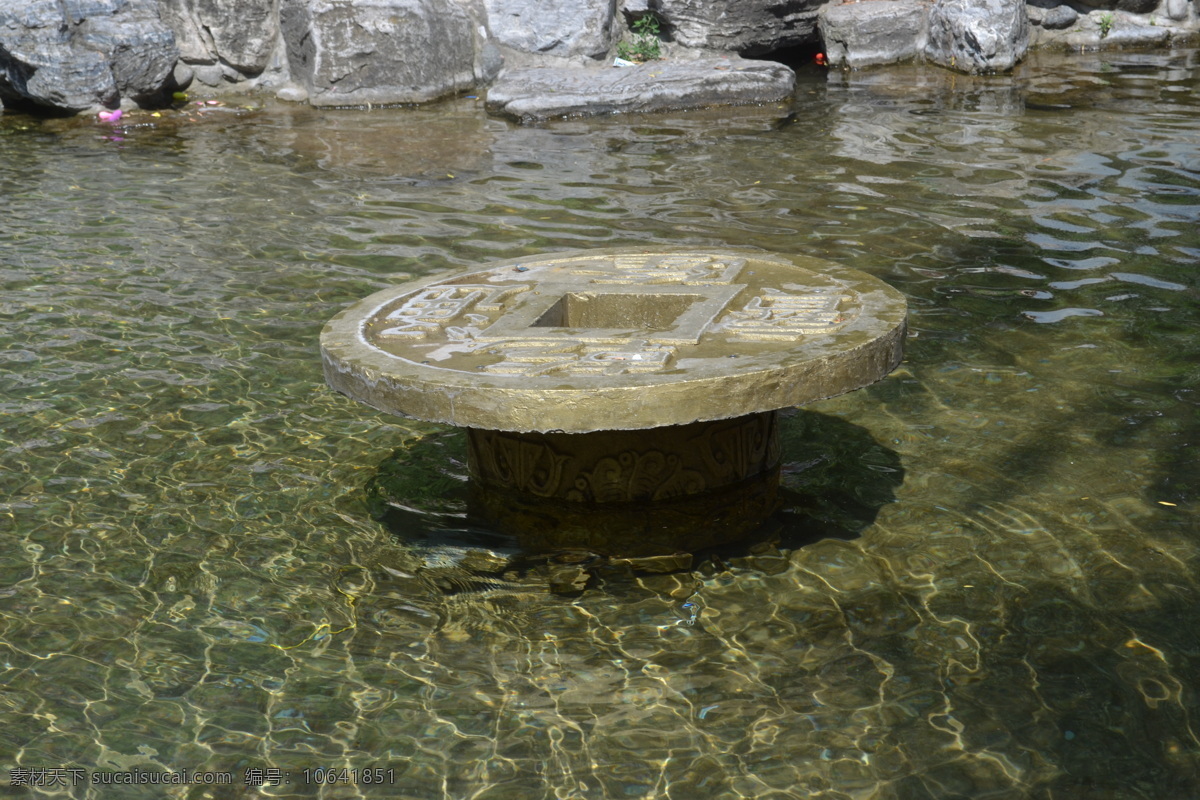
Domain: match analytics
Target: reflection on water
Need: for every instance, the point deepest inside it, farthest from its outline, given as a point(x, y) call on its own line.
point(985, 584)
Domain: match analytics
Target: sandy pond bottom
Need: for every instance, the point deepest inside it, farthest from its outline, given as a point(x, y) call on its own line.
point(983, 583)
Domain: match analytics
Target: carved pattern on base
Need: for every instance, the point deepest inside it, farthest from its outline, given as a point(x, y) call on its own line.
point(517, 463)
point(632, 475)
point(626, 466)
point(739, 447)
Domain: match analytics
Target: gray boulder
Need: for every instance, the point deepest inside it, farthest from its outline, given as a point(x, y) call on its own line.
point(1049, 14)
point(354, 52)
point(749, 27)
point(881, 32)
point(572, 29)
point(80, 55)
point(544, 92)
point(1176, 9)
point(977, 36)
point(240, 33)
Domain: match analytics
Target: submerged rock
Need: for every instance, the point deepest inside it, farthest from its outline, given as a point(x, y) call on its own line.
point(544, 92)
point(83, 55)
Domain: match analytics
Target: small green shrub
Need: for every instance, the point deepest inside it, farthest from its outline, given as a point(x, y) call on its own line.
point(643, 45)
point(1106, 23)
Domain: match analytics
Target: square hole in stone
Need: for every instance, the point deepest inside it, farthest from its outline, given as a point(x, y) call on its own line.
point(652, 312)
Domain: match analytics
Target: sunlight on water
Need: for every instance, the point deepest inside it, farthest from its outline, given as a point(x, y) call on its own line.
point(983, 581)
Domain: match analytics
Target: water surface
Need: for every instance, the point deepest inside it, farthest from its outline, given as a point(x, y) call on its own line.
point(984, 582)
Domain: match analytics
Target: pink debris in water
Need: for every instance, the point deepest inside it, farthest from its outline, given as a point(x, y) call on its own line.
point(109, 116)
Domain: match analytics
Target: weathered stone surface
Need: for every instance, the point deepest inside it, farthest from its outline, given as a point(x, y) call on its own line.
point(83, 54)
point(1133, 35)
point(140, 48)
point(560, 29)
point(749, 27)
point(1176, 9)
point(616, 340)
point(544, 92)
point(977, 36)
point(881, 32)
point(240, 33)
point(353, 52)
point(1049, 14)
point(1088, 33)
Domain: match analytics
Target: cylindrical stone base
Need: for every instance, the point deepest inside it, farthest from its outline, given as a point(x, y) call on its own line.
point(628, 493)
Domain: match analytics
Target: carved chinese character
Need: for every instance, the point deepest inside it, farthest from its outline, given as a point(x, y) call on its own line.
point(576, 359)
point(433, 309)
point(658, 269)
point(780, 315)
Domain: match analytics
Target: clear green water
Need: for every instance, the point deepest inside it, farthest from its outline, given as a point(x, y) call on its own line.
point(985, 584)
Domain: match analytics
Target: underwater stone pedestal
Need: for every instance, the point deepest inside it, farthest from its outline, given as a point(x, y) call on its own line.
point(622, 402)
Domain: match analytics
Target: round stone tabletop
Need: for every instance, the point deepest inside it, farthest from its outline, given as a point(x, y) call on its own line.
point(616, 340)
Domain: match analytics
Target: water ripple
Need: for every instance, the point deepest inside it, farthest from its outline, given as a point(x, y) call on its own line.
point(983, 581)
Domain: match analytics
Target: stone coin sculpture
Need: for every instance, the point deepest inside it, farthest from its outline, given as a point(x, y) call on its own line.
point(622, 402)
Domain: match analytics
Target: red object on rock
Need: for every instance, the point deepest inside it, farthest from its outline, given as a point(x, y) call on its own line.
point(821, 60)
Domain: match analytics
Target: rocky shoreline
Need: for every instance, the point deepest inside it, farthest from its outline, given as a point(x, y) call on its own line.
point(535, 59)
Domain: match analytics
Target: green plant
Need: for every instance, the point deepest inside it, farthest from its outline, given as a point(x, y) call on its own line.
point(643, 45)
point(1106, 23)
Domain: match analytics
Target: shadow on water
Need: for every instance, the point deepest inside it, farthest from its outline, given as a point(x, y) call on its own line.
point(834, 479)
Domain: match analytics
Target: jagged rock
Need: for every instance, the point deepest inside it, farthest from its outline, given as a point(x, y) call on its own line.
point(84, 54)
point(749, 27)
point(977, 36)
point(141, 49)
point(544, 92)
point(240, 33)
point(882, 32)
point(354, 52)
point(559, 29)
